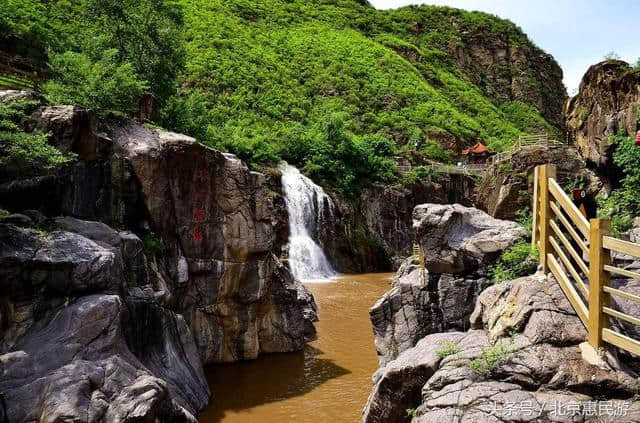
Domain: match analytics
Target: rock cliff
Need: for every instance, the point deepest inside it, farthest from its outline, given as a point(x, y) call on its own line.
point(81, 342)
point(202, 284)
point(524, 348)
point(459, 243)
point(606, 103)
point(374, 232)
point(496, 56)
point(507, 188)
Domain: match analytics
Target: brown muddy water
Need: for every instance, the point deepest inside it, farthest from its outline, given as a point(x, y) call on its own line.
point(327, 382)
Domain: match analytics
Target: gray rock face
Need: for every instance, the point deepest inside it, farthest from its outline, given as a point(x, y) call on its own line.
point(78, 367)
point(459, 243)
point(72, 129)
point(214, 214)
point(458, 239)
point(416, 307)
point(75, 345)
point(374, 232)
point(397, 386)
point(523, 350)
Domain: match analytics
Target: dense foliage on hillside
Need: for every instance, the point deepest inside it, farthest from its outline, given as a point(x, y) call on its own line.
point(336, 87)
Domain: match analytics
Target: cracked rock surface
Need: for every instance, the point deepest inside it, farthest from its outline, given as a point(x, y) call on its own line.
point(521, 361)
point(76, 344)
point(459, 244)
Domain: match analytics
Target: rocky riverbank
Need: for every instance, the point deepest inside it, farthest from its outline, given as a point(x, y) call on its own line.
point(453, 347)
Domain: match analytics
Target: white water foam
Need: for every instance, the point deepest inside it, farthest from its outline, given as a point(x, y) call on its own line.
point(307, 204)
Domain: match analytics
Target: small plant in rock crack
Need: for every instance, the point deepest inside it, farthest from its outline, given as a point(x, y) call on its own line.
point(412, 412)
point(447, 348)
point(491, 358)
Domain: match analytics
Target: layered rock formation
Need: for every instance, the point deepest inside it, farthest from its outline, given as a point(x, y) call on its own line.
point(507, 67)
point(606, 103)
point(214, 217)
point(506, 189)
point(524, 349)
point(82, 342)
point(459, 243)
point(204, 284)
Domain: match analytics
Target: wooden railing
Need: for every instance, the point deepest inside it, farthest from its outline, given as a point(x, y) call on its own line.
point(525, 142)
point(578, 253)
point(463, 169)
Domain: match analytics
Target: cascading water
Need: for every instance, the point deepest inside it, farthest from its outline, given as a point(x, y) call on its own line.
point(307, 204)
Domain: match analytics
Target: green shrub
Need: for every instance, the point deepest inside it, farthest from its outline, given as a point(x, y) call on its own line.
point(417, 174)
point(448, 348)
point(104, 85)
point(524, 217)
point(153, 243)
point(491, 358)
point(433, 150)
point(24, 154)
point(518, 260)
point(412, 412)
point(624, 203)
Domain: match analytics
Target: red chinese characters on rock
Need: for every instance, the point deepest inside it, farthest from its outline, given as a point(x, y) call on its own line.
point(199, 213)
point(197, 234)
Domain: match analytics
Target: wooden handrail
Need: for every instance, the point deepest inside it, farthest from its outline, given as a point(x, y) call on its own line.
point(554, 216)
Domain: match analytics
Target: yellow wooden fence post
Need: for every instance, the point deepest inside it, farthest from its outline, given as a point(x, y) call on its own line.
point(536, 202)
point(546, 171)
point(598, 279)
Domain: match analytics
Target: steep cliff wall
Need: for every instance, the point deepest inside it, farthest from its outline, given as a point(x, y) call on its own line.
point(494, 54)
point(206, 219)
point(607, 102)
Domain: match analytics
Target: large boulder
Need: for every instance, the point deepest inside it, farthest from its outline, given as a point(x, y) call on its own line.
point(457, 239)
point(524, 349)
point(78, 366)
point(419, 304)
point(459, 244)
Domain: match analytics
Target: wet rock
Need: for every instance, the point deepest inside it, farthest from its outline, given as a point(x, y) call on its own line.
point(78, 366)
point(458, 239)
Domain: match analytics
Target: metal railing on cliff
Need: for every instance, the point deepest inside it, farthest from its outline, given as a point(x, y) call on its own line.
point(578, 253)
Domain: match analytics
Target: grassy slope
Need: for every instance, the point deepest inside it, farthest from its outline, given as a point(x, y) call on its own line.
point(261, 73)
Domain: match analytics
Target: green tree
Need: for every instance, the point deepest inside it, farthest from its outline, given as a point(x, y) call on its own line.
point(22, 153)
point(105, 85)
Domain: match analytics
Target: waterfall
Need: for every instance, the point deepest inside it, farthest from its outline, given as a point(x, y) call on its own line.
point(307, 205)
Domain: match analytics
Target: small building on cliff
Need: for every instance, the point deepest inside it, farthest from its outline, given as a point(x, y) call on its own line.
point(478, 154)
